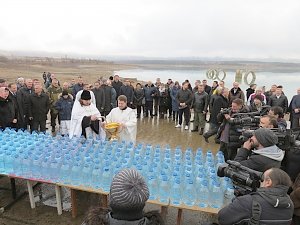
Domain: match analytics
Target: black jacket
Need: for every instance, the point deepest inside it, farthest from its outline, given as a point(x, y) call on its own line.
point(184, 96)
point(128, 92)
point(207, 89)
point(255, 161)
point(282, 101)
point(200, 102)
point(234, 95)
point(38, 107)
point(7, 112)
point(22, 100)
point(276, 208)
point(100, 98)
point(249, 91)
point(139, 95)
point(219, 102)
point(108, 101)
point(117, 86)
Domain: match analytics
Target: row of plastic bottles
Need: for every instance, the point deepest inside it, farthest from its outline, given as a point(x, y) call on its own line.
point(175, 176)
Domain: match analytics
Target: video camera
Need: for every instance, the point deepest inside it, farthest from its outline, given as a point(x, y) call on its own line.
point(287, 139)
point(250, 119)
point(245, 180)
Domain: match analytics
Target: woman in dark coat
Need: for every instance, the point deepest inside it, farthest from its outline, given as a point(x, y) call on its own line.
point(163, 100)
point(138, 99)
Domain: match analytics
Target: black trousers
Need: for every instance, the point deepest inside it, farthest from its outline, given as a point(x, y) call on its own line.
point(149, 108)
point(139, 109)
point(187, 114)
point(36, 124)
point(156, 104)
point(213, 129)
point(24, 123)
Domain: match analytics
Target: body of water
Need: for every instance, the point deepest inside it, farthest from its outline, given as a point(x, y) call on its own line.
point(289, 81)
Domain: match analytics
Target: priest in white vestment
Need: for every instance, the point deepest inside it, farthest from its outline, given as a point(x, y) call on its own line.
point(86, 118)
point(126, 117)
point(87, 88)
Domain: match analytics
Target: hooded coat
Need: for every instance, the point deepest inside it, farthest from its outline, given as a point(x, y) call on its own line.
point(261, 159)
point(276, 208)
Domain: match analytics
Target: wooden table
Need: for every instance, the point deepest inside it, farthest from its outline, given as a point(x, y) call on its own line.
point(164, 207)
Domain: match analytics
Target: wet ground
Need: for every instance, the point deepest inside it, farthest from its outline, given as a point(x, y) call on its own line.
point(153, 131)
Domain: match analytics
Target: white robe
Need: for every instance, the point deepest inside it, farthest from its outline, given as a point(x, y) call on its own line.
point(126, 117)
point(78, 96)
point(78, 112)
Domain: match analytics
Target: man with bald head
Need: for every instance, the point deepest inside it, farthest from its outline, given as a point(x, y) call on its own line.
point(236, 92)
point(22, 100)
point(66, 87)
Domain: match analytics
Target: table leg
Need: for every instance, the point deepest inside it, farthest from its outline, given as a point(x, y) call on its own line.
point(179, 216)
point(13, 188)
point(30, 193)
point(104, 201)
point(164, 212)
point(74, 203)
point(58, 199)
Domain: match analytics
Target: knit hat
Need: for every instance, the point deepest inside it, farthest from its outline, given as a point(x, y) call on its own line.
point(85, 95)
point(265, 137)
point(128, 195)
point(65, 93)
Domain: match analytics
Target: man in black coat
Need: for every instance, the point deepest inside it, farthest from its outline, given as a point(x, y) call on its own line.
point(13, 97)
point(117, 84)
point(98, 91)
point(39, 104)
point(279, 99)
point(220, 101)
point(260, 151)
point(22, 100)
point(207, 88)
point(127, 90)
point(108, 94)
point(269, 205)
point(230, 132)
point(295, 110)
point(8, 115)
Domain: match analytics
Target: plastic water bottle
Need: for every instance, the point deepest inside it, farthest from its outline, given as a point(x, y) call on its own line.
point(36, 167)
point(228, 195)
point(176, 193)
point(106, 179)
point(2, 165)
point(203, 195)
point(217, 196)
point(26, 166)
point(65, 174)
point(8, 163)
point(17, 162)
point(189, 194)
point(76, 173)
point(86, 175)
point(96, 177)
point(164, 190)
point(153, 188)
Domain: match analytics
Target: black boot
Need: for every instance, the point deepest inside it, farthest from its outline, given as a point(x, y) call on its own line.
point(195, 129)
point(201, 131)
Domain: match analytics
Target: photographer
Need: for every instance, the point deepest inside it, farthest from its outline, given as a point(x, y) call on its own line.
point(268, 121)
point(269, 205)
point(260, 151)
point(277, 112)
point(228, 131)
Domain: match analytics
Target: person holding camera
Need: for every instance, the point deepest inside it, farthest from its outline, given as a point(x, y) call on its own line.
point(277, 112)
point(228, 131)
point(260, 151)
point(270, 204)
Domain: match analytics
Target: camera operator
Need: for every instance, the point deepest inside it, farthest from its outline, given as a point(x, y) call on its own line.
point(277, 112)
point(228, 132)
point(270, 204)
point(268, 121)
point(260, 151)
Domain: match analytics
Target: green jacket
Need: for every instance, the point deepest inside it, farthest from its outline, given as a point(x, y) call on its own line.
point(53, 96)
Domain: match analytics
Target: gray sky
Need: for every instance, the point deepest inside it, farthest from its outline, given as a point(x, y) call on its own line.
point(153, 28)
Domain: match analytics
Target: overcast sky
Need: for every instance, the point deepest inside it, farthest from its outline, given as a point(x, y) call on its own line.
point(153, 28)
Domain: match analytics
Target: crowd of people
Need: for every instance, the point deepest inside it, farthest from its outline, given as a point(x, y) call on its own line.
point(77, 107)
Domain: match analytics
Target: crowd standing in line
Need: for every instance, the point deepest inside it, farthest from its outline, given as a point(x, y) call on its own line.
point(25, 104)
